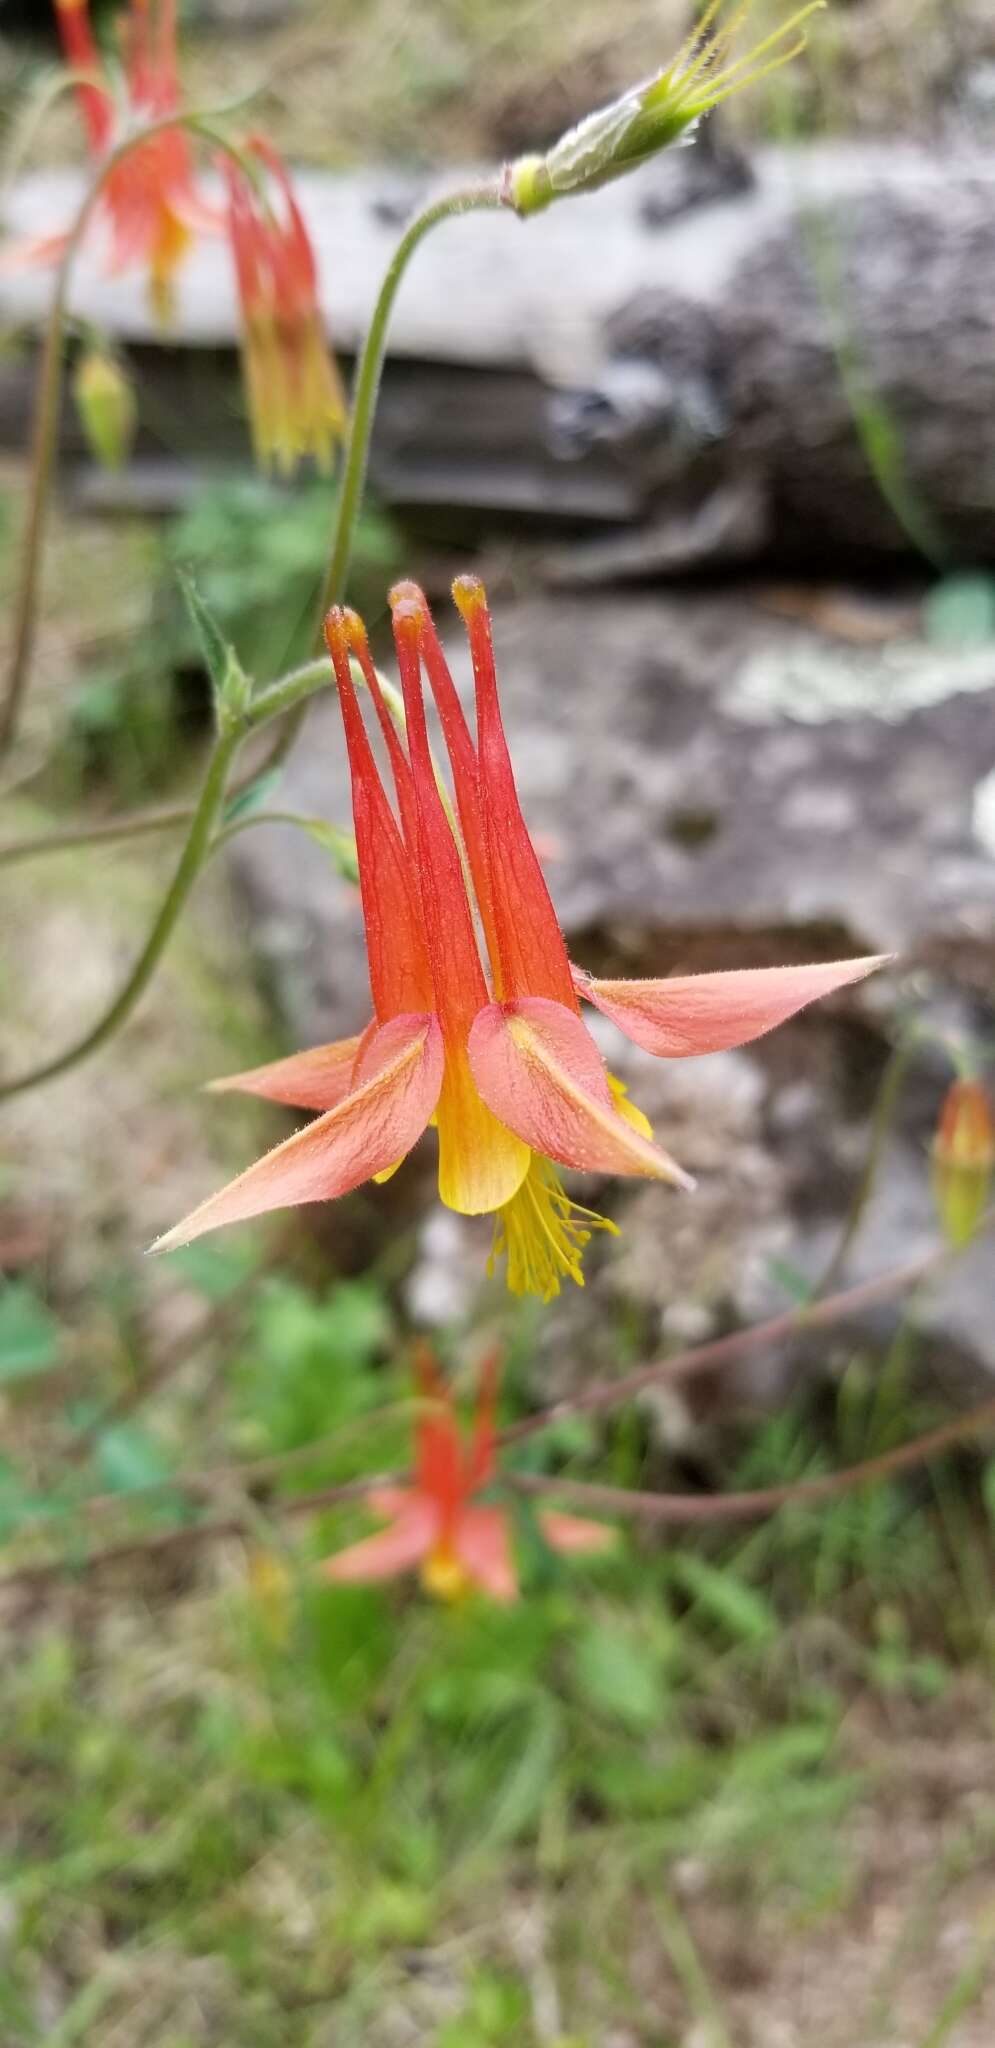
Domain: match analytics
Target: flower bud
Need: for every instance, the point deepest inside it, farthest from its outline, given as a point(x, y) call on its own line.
point(963, 1161)
point(105, 402)
point(649, 117)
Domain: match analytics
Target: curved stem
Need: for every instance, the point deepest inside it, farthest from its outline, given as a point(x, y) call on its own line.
point(42, 461)
point(369, 369)
point(483, 197)
point(191, 860)
point(892, 1081)
point(46, 416)
point(291, 692)
point(684, 1508)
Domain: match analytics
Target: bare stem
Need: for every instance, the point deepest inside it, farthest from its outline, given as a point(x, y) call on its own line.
point(681, 1509)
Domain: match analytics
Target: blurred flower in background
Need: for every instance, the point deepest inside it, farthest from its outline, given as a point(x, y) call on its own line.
point(150, 206)
point(294, 393)
point(438, 1524)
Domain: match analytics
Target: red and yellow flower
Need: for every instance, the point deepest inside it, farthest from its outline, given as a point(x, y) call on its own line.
point(149, 204)
point(294, 393)
point(497, 1056)
point(439, 1524)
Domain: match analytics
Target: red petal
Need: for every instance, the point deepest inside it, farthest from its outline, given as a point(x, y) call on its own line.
point(697, 1013)
point(316, 1079)
point(573, 1536)
point(463, 760)
point(398, 1080)
point(439, 1454)
point(400, 975)
point(539, 1070)
point(480, 1540)
point(395, 1549)
point(533, 956)
point(460, 990)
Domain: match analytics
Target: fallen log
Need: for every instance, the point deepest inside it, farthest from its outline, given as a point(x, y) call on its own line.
point(795, 363)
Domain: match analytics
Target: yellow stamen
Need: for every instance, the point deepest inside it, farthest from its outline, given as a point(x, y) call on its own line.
point(443, 1575)
point(541, 1234)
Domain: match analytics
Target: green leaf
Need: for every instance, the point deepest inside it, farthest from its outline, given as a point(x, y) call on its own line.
point(520, 1795)
point(231, 684)
point(739, 1609)
point(960, 612)
point(255, 793)
point(617, 1676)
point(338, 842)
point(128, 1458)
point(791, 1280)
point(215, 1270)
point(30, 1338)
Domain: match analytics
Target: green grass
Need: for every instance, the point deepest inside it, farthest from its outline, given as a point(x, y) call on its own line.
point(240, 1806)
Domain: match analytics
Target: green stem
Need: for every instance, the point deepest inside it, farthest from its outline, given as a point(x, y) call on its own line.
point(190, 862)
point(885, 1107)
point(290, 693)
point(482, 197)
point(42, 462)
point(46, 417)
point(369, 369)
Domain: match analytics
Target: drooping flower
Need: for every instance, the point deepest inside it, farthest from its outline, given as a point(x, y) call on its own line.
point(439, 1524)
point(500, 1061)
point(149, 208)
point(963, 1160)
point(665, 108)
point(294, 393)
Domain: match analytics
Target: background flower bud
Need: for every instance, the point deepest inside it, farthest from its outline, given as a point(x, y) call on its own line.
point(963, 1160)
point(107, 407)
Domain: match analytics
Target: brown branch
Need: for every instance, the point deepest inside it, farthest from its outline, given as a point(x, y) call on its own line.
point(738, 1344)
point(684, 1508)
point(173, 1542)
point(673, 1508)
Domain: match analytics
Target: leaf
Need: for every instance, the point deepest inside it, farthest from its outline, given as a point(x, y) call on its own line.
point(791, 1280)
point(738, 1609)
point(216, 1270)
point(231, 684)
point(128, 1459)
point(960, 612)
point(30, 1337)
point(618, 1677)
point(521, 1793)
point(334, 839)
point(255, 793)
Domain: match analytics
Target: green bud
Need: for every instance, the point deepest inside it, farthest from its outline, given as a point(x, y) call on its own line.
point(106, 404)
point(661, 111)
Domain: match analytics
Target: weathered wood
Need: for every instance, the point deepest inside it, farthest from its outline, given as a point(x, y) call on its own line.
point(654, 357)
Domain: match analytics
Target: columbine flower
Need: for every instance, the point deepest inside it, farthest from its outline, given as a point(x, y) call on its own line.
point(501, 1062)
point(963, 1160)
point(295, 398)
point(662, 110)
point(438, 1523)
point(149, 203)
